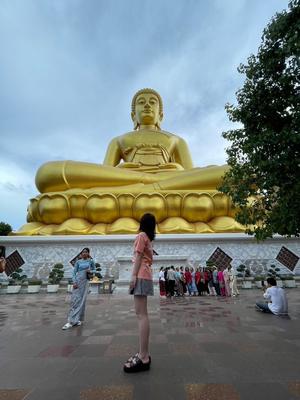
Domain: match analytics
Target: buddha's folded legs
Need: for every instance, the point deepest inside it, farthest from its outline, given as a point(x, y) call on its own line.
point(208, 178)
point(63, 175)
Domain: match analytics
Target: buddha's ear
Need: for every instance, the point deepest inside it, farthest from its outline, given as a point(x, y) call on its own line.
point(135, 123)
point(160, 117)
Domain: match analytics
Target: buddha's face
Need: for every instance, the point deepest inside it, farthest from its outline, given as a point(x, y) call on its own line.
point(147, 110)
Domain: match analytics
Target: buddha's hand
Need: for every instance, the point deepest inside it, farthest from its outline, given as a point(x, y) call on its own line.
point(128, 165)
point(170, 166)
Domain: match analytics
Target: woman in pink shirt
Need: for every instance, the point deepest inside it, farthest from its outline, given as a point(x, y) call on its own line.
point(141, 286)
point(221, 282)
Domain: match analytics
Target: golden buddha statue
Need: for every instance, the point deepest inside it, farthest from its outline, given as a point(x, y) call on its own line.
point(146, 170)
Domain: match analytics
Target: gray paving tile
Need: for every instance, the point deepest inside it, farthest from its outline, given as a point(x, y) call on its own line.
point(199, 347)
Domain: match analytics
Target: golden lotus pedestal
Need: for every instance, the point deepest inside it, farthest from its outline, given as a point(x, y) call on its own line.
point(92, 212)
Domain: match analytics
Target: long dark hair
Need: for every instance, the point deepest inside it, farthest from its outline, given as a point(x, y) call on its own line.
point(87, 250)
point(147, 225)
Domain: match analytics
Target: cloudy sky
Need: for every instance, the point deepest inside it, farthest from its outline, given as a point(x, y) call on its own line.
point(69, 69)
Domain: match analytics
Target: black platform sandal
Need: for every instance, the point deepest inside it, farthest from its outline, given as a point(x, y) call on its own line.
point(136, 365)
point(136, 355)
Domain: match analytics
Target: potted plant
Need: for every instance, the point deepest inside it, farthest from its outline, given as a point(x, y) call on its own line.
point(15, 281)
point(245, 274)
point(34, 285)
point(98, 271)
point(95, 283)
point(55, 277)
point(289, 281)
point(209, 264)
point(273, 272)
point(258, 279)
point(297, 280)
point(3, 287)
point(70, 286)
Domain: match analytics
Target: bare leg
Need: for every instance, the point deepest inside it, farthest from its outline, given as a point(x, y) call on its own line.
point(140, 303)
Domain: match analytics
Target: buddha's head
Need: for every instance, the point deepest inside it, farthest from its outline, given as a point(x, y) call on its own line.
point(146, 108)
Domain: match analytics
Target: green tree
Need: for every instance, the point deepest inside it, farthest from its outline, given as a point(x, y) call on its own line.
point(264, 178)
point(17, 276)
point(56, 274)
point(5, 229)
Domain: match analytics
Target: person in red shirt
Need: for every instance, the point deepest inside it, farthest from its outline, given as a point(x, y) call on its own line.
point(206, 280)
point(141, 286)
point(162, 282)
point(198, 280)
point(188, 279)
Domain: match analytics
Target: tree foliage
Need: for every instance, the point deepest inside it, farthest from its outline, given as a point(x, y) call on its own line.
point(56, 274)
point(5, 229)
point(264, 178)
point(17, 276)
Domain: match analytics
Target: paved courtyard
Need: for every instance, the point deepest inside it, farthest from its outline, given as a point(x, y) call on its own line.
point(202, 348)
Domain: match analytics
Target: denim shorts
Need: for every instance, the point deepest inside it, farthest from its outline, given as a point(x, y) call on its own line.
point(143, 287)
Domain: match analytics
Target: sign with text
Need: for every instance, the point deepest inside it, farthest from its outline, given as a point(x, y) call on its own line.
point(13, 262)
point(220, 258)
point(287, 258)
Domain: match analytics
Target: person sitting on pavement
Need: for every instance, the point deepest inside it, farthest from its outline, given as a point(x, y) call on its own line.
point(276, 297)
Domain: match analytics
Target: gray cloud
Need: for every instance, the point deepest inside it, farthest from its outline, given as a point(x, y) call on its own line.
point(11, 187)
point(69, 69)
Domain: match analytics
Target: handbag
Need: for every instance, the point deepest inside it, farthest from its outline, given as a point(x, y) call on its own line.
point(89, 275)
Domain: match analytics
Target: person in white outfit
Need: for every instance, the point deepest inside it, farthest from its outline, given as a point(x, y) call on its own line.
point(232, 282)
point(276, 297)
point(227, 281)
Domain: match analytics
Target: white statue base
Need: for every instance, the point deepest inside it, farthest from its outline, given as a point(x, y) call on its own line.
point(114, 252)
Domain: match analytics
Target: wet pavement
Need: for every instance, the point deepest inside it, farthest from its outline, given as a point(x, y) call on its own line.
point(201, 347)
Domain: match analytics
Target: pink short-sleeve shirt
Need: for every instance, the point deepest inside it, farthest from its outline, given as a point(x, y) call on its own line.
point(143, 246)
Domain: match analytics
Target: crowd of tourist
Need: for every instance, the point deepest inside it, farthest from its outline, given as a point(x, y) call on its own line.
point(202, 281)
